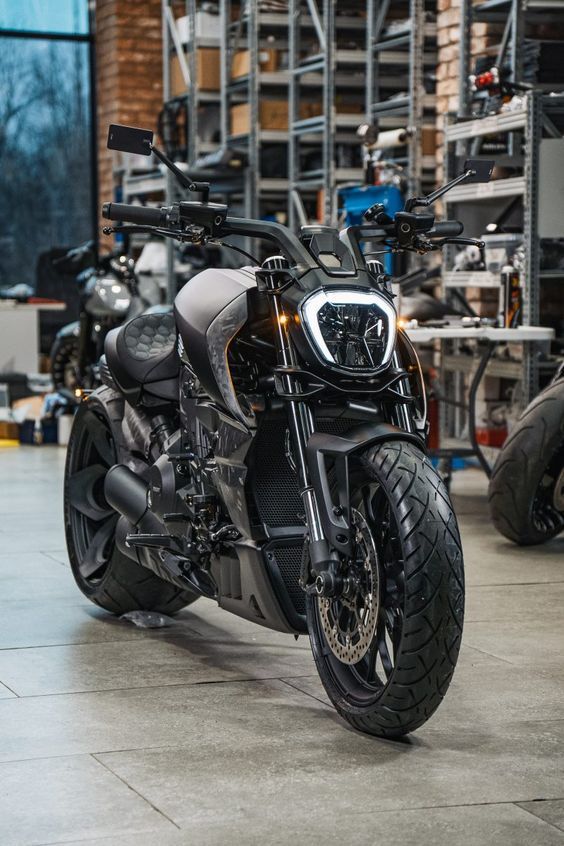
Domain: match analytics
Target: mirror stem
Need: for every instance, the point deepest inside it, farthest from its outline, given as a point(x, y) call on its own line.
point(202, 188)
point(432, 198)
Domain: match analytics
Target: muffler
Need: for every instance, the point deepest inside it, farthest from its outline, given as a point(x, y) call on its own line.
point(127, 494)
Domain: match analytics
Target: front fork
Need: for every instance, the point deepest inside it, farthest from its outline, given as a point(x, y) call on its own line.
point(324, 561)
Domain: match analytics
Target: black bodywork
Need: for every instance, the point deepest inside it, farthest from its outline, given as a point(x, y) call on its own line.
point(221, 368)
point(246, 412)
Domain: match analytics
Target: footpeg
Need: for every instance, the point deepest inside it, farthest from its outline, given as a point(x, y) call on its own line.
point(153, 542)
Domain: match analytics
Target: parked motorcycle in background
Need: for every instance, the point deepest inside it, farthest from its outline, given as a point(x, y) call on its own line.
point(526, 491)
point(264, 446)
point(107, 297)
point(113, 290)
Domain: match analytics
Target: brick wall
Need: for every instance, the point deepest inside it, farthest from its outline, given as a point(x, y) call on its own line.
point(128, 73)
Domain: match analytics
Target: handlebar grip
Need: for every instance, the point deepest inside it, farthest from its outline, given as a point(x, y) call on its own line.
point(446, 229)
point(134, 214)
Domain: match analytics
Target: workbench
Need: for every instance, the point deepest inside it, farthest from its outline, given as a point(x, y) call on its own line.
point(488, 339)
point(19, 335)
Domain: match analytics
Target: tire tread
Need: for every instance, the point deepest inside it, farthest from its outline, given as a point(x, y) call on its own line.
point(434, 595)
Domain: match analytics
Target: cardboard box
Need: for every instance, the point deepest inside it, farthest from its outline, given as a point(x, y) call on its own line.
point(273, 114)
point(207, 72)
point(241, 65)
point(428, 141)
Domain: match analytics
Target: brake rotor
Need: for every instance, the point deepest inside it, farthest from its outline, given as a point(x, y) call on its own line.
point(349, 622)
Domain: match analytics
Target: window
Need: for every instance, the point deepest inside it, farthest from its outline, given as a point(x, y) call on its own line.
point(45, 16)
point(46, 174)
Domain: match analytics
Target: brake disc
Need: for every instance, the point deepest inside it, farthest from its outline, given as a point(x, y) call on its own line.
point(349, 623)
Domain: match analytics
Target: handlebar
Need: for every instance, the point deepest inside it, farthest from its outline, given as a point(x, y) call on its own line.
point(446, 229)
point(144, 215)
point(213, 219)
point(210, 221)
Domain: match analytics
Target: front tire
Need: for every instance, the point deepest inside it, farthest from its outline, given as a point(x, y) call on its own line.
point(104, 575)
point(526, 491)
point(401, 679)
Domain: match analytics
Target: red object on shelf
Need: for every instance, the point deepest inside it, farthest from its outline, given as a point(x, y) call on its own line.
point(493, 437)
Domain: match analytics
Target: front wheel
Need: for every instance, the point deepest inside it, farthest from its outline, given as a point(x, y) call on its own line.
point(387, 651)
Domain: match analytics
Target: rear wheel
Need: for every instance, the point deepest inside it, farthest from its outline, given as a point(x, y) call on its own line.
point(102, 572)
point(526, 492)
point(386, 653)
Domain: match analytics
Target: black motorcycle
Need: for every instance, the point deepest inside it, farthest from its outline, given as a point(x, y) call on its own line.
point(264, 446)
point(526, 491)
point(107, 290)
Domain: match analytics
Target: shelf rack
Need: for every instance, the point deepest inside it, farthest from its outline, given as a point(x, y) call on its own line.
point(474, 204)
point(317, 57)
point(515, 16)
point(401, 47)
point(244, 26)
point(331, 55)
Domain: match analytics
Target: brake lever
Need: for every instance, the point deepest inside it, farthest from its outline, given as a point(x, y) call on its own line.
point(462, 242)
point(191, 237)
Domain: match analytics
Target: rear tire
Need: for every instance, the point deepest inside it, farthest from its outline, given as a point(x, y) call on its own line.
point(104, 575)
point(526, 483)
point(421, 598)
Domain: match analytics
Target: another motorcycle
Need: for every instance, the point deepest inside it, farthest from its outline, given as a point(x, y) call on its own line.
point(107, 298)
point(526, 491)
point(264, 446)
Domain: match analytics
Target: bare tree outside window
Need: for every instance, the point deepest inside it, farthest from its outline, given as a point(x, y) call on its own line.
point(45, 170)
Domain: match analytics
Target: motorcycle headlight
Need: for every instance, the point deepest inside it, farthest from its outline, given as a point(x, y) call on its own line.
point(351, 329)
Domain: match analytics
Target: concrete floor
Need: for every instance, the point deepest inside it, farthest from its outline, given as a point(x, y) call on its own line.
point(215, 731)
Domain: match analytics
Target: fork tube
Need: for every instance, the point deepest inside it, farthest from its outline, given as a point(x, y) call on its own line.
point(300, 416)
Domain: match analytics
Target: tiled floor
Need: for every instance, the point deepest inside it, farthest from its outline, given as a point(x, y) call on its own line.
point(215, 731)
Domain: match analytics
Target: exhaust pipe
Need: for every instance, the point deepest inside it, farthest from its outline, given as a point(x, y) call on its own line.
point(126, 493)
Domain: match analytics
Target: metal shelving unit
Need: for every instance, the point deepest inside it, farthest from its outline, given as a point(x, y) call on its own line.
point(331, 54)
point(515, 16)
point(476, 205)
point(387, 66)
point(318, 60)
point(401, 46)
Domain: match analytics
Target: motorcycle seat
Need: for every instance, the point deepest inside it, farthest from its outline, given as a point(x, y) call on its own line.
point(143, 359)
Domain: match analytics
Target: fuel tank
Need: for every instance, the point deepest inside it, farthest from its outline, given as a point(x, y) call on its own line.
point(210, 310)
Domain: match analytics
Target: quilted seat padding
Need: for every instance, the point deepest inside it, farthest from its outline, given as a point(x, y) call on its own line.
point(143, 358)
point(149, 336)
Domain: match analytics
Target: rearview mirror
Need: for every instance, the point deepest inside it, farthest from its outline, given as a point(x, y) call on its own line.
point(128, 139)
point(482, 170)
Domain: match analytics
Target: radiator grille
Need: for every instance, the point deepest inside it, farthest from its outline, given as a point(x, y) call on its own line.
point(276, 489)
point(275, 485)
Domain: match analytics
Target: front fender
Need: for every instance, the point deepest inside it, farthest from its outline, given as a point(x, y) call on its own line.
point(334, 506)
